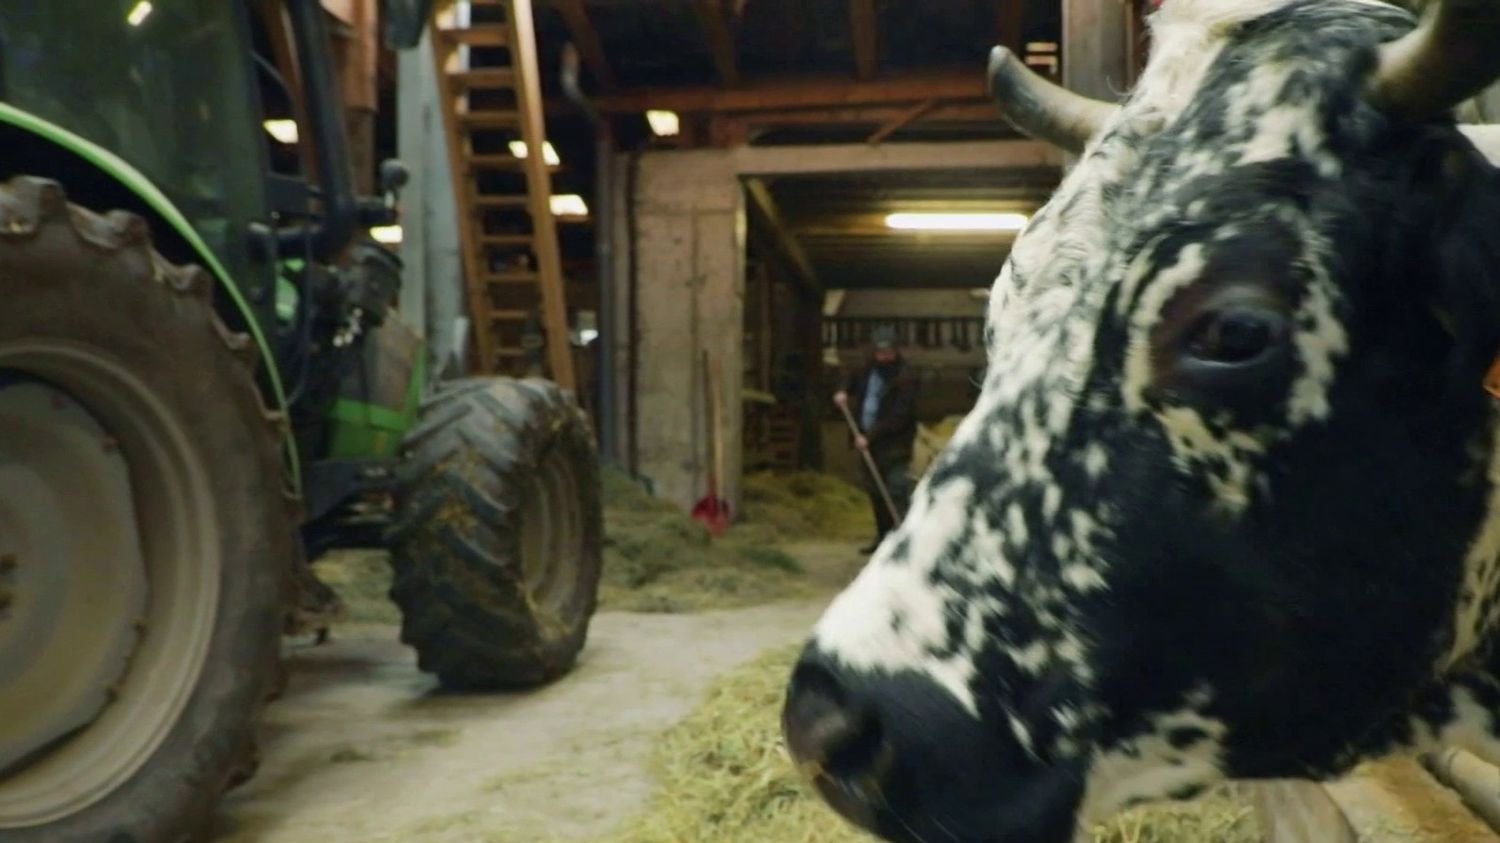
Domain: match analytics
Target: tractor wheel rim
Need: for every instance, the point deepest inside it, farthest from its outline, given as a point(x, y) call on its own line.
point(551, 533)
point(113, 580)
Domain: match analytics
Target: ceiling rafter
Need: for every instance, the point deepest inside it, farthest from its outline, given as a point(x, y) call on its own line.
point(712, 15)
point(575, 15)
point(864, 32)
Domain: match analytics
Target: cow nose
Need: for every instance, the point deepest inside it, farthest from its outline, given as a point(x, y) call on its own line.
point(837, 741)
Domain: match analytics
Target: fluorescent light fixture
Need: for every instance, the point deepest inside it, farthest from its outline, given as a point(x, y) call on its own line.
point(282, 129)
point(138, 13)
point(926, 221)
point(664, 124)
point(387, 234)
point(569, 205)
point(549, 153)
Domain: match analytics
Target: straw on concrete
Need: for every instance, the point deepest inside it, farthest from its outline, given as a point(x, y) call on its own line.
point(722, 777)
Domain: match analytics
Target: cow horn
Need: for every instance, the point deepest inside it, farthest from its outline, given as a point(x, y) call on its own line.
point(1041, 109)
point(1486, 139)
point(1451, 56)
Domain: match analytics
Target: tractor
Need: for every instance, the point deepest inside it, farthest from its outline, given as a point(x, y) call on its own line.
point(203, 382)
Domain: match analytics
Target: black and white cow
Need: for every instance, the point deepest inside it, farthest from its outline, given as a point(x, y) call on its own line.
point(1229, 503)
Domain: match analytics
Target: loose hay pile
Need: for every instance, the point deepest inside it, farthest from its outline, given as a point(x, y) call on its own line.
point(807, 505)
point(658, 559)
point(362, 579)
point(723, 779)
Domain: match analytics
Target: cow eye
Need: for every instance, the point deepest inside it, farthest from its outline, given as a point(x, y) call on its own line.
point(1236, 336)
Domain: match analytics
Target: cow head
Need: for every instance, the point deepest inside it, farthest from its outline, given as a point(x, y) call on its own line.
point(1226, 506)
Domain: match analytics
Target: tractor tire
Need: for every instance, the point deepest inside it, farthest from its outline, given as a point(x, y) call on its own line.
point(133, 447)
point(498, 535)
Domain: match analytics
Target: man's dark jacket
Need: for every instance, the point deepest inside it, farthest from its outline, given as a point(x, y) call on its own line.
point(895, 429)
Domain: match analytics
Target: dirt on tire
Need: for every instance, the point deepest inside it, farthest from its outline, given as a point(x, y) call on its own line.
point(496, 475)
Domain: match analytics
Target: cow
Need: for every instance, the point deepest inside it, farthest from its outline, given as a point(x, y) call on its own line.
point(1228, 504)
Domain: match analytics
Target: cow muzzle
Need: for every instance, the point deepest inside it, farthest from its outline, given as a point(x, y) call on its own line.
point(897, 756)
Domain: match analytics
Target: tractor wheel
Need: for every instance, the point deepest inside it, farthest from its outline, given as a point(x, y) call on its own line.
point(498, 538)
point(144, 534)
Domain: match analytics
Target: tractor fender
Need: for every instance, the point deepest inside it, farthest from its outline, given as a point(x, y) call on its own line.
point(167, 214)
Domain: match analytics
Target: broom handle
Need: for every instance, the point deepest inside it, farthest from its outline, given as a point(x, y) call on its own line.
point(874, 469)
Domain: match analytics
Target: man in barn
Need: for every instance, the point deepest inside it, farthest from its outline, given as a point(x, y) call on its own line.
point(881, 396)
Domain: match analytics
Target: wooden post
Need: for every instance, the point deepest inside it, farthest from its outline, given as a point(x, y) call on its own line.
point(539, 192)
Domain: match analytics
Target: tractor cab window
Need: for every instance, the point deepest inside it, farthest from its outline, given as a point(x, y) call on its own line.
point(166, 85)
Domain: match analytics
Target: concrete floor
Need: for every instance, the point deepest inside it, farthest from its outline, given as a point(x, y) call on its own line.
point(364, 748)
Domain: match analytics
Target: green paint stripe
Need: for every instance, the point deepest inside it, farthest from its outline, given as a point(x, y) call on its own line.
point(152, 195)
point(358, 412)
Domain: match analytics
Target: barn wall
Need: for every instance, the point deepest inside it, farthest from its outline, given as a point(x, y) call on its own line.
point(689, 237)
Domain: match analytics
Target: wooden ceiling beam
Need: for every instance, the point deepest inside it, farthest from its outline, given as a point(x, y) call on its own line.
point(806, 92)
point(1009, 17)
point(711, 15)
point(864, 31)
point(901, 121)
point(766, 217)
point(575, 15)
point(748, 123)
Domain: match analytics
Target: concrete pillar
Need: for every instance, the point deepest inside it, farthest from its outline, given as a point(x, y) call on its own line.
point(432, 293)
point(1094, 47)
point(690, 259)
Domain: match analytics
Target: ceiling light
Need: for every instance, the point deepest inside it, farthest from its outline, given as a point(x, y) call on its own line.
point(282, 129)
point(569, 205)
point(138, 13)
point(925, 221)
point(664, 124)
point(549, 153)
point(387, 234)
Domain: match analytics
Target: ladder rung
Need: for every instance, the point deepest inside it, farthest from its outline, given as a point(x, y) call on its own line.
point(505, 239)
point(511, 278)
point(489, 201)
point(510, 351)
point(500, 162)
point(496, 162)
point(483, 35)
point(494, 77)
point(509, 315)
point(490, 119)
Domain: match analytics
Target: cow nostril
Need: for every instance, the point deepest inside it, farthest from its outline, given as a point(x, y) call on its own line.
point(824, 728)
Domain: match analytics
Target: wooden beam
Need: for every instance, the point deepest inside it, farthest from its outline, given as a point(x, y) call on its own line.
point(864, 32)
point(720, 39)
point(858, 157)
point(763, 211)
point(747, 125)
point(581, 29)
point(1009, 16)
point(901, 121)
point(804, 92)
point(523, 52)
point(1093, 48)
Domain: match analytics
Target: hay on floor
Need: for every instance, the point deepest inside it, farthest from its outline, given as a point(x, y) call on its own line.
point(658, 559)
point(721, 777)
point(362, 579)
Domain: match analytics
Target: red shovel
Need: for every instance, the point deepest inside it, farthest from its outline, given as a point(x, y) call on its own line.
point(712, 510)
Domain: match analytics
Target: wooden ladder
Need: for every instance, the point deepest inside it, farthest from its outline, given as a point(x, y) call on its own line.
point(490, 96)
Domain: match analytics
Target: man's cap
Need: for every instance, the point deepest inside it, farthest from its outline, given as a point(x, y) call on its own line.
point(883, 338)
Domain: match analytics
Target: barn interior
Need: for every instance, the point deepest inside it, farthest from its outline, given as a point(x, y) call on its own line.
point(676, 231)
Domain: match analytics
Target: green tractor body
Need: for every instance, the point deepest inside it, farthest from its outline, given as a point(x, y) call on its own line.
point(204, 383)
